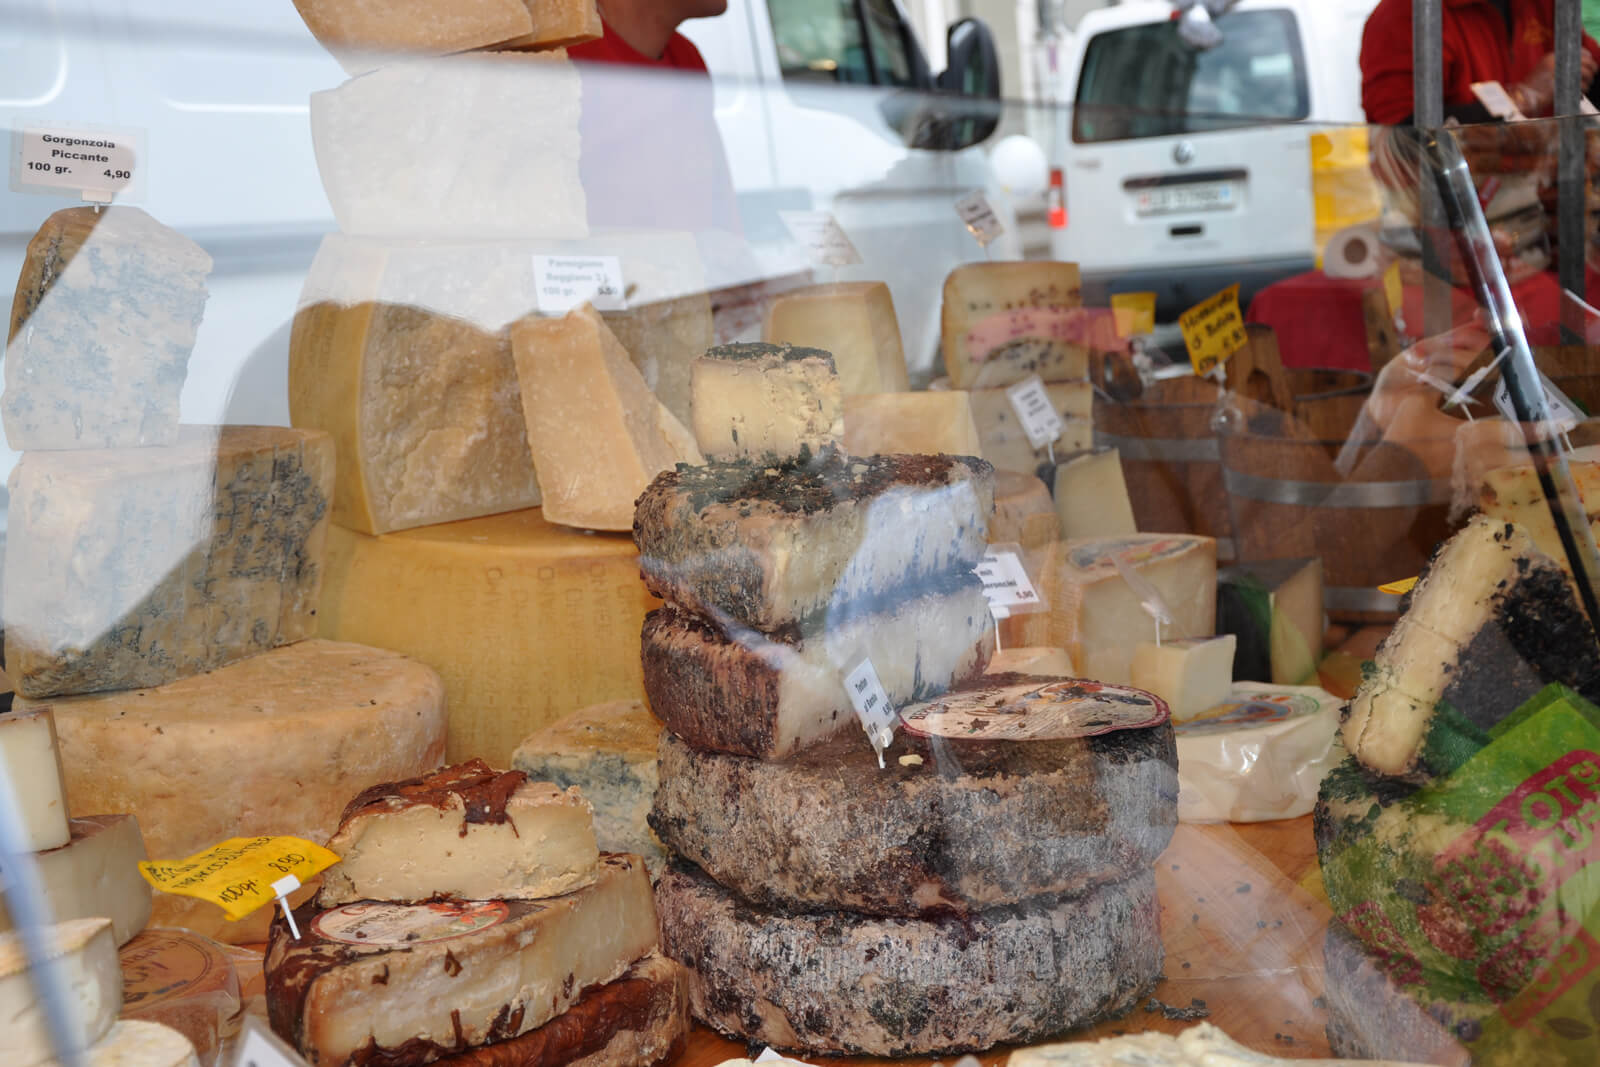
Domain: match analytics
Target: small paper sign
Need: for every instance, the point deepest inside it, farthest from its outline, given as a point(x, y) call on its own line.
point(979, 218)
point(561, 283)
point(872, 705)
point(1393, 290)
point(1133, 313)
point(260, 1047)
point(1494, 98)
point(1006, 583)
point(1564, 414)
point(826, 242)
point(1213, 330)
point(238, 875)
point(1035, 412)
point(94, 162)
point(1400, 588)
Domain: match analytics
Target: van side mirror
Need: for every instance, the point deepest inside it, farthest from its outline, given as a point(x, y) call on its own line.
point(974, 68)
point(964, 109)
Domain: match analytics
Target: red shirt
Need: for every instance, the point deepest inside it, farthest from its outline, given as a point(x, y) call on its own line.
point(681, 54)
point(1475, 50)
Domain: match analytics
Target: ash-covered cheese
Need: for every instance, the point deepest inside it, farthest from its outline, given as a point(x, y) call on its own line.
point(406, 984)
point(85, 952)
point(853, 320)
point(1003, 321)
point(96, 874)
point(465, 832)
point(102, 324)
point(739, 691)
point(137, 567)
point(963, 827)
point(608, 751)
point(766, 547)
point(839, 982)
point(765, 402)
point(927, 423)
point(1373, 1015)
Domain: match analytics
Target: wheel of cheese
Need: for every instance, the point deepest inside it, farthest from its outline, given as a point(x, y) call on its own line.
point(1372, 1016)
point(945, 828)
point(839, 982)
point(525, 620)
point(183, 981)
point(274, 744)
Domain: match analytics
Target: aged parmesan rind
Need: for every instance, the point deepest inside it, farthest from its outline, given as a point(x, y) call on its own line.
point(964, 827)
point(837, 982)
point(102, 325)
point(138, 567)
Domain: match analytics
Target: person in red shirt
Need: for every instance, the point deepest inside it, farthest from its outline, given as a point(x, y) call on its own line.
point(1508, 41)
point(645, 33)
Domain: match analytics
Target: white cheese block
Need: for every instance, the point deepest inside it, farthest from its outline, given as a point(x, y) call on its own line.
point(140, 566)
point(184, 981)
point(414, 982)
point(1092, 496)
point(597, 433)
point(765, 402)
point(1023, 512)
point(1199, 1046)
point(85, 952)
point(102, 324)
point(1191, 674)
point(853, 320)
point(134, 1043)
point(1046, 662)
point(465, 832)
point(922, 423)
point(1258, 755)
point(96, 874)
point(1003, 321)
point(1096, 615)
point(1006, 444)
point(449, 147)
point(274, 744)
point(1513, 494)
point(28, 753)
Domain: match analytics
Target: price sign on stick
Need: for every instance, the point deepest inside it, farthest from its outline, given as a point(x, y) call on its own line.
point(242, 873)
point(1564, 415)
point(1213, 330)
point(260, 1047)
point(872, 705)
point(979, 218)
point(1006, 584)
point(1035, 412)
point(561, 283)
point(96, 163)
point(825, 241)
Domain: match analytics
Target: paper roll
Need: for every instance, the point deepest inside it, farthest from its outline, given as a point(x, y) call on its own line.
point(1352, 253)
point(1259, 756)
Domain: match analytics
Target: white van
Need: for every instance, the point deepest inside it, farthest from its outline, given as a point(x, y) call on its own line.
point(1186, 170)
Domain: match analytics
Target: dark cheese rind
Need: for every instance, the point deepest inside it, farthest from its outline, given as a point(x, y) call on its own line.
point(769, 547)
point(946, 827)
point(764, 352)
point(483, 792)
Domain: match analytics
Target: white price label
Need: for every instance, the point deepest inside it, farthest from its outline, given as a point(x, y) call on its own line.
point(96, 163)
point(1006, 583)
point(1564, 414)
point(561, 283)
point(826, 242)
point(1038, 416)
point(260, 1047)
point(980, 218)
point(1495, 100)
point(872, 705)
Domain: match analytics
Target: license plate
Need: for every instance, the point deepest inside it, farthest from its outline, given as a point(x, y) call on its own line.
point(1174, 199)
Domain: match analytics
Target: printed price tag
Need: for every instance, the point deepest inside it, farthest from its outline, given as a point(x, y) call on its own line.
point(980, 218)
point(1133, 313)
point(826, 242)
point(561, 283)
point(1393, 290)
point(1564, 414)
point(239, 875)
point(872, 705)
point(1213, 330)
point(260, 1047)
point(1038, 416)
point(1493, 96)
point(1006, 583)
point(94, 162)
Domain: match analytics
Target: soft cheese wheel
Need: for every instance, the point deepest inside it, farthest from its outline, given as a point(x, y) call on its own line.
point(274, 744)
point(523, 619)
point(96, 874)
point(837, 982)
point(884, 423)
point(139, 566)
point(1258, 755)
point(184, 981)
point(969, 827)
point(33, 767)
point(86, 961)
point(449, 148)
point(1005, 443)
point(102, 325)
point(853, 320)
point(404, 984)
point(1024, 514)
point(1003, 320)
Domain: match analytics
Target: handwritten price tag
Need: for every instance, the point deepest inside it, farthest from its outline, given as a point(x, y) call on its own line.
point(979, 217)
point(1564, 416)
point(826, 242)
point(239, 875)
point(872, 705)
point(1213, 330)
point(260, 1047)
point(561, 283)
point(1038, 416)
point(97, 163)
point(1006, 583)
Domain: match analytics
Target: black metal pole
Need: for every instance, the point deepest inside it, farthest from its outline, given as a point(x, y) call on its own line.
point(1427, 100)
point(1571, 175)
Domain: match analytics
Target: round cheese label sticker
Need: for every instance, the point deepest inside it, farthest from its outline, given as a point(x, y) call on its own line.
point(160, 965)
point(386, 925)
point(1033, 712)
point(1249, 708)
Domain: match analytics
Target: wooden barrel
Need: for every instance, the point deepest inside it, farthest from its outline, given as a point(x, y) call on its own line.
point(1575, 369)
point(1377, 525)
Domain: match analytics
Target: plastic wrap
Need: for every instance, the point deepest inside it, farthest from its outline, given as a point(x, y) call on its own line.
point(1259, 756)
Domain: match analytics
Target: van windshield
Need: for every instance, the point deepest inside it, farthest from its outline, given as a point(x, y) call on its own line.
point(1145, 81)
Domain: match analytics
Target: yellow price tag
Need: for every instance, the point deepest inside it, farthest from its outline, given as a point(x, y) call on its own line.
point(237, 875)
point(1399, 588)
point(1133, 313)
point(1393, 289)
point(1213, 329)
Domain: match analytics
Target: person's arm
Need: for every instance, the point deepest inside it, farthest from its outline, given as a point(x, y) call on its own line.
point(1386, 82)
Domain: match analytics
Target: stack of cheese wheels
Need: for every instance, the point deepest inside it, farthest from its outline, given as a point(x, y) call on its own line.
point(161, 583)
point(472, 920)
point(1021, 861)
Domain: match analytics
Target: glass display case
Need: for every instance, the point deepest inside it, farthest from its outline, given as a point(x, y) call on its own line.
point(529, 560)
